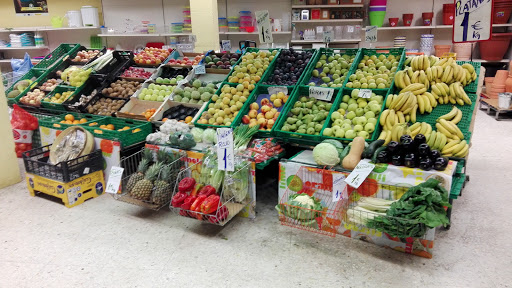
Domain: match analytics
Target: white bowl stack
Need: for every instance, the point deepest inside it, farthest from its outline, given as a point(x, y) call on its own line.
point(427, 44)
point(400, 41)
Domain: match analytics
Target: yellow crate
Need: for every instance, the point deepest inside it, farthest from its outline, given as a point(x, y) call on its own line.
point(450, 55)
point(71, 193)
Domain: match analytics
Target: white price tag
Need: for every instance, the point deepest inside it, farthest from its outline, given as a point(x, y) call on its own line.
point(359, 174)
point(371, 34)
point(328, 36)
point(364, 93)
point(339, 187)
point(473, 20)
point(264, 29)
point(321, 93)
point(225, 154)
point(277, 89)
point(226, 45)
point(114, 179)
point(199, 69)
point(350, 29)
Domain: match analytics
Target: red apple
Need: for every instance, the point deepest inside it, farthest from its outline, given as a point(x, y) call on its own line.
point(246, 119)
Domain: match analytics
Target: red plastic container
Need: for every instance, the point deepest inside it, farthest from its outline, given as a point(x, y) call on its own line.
point(508, 84)
point(448, 14)
point(502, 12)
point(427, 18)
point(495, 48)
point(407, 18)
point(378, 2)
point(393, 22)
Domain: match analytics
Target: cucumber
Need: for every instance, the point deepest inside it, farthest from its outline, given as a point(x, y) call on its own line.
point(370, 150)
point(377, 151)
point(344, 153)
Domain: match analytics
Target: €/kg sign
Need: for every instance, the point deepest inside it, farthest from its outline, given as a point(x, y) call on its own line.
point(339, 187)
point(359, 174)
point(264, 29)
point(328, 36)
point(472, 20)
point(114, 179)
point(225, 153)
point(371, 34)
point(364, 93)
point(321, 93)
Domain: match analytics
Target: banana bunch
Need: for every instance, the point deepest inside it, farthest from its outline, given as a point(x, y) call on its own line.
point(407, 77)
point(426, 101)
point(420, 63)
point(389, 118)
point(448, 71)
point(419, 128)
point(437, 140)
point(449, 129)
point(394, 134)
point(455, 115)
point(455, 148)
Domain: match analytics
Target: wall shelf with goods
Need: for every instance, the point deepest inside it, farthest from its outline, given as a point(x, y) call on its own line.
point(328, 6)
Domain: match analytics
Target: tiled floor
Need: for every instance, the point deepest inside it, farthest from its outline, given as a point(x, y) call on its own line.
point(106, 243)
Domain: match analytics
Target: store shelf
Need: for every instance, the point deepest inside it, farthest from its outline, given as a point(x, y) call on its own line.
point(486, 61)
point(46, 28)
point(328, 21)
point(24, 48)
point(144, 35)
point(329, 6)
point(9, 60)
point(254, 33)
point(175, 34)
point(332, 42)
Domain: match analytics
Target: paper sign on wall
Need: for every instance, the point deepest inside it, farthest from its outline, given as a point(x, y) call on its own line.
point(114, 179)
point(473, 21)
point(264, 29)
point(371, 34)
point(359, 174)
point(328, 36)
point(338, 186)
point(225, 154)
point(321, 93)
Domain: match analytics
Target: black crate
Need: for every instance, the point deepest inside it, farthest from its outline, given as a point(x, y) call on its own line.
point(37, 163)
point(121, 60)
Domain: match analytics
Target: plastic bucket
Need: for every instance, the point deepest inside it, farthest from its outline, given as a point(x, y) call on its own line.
point(377, 9)
point(496, 48)
point(377, 18)
point(442, 49)
point(500, 78)
point(407, 18)
point(393, 22)
point(378, 2)
point(448, 14)
point(504, 100)
point(501, 14)
point(463, 50)
point(427, 18)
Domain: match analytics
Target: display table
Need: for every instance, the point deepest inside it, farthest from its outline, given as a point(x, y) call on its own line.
point(393, 179)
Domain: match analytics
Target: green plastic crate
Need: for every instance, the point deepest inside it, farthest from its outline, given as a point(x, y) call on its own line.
point(57, 55)
point(34, 75)
point(60, 89)
point(262, 90)
point(126, 137)
point(249, 50)
point(274, 63)
point(328, 51)
point(238, 117)
point(473, 86)
point(295, 137)
point(458, 180)
point(370, 52)
point(336, 105)
point(54, 121)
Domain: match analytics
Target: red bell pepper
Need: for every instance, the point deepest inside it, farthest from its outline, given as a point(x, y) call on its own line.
point(196, 189)
point(188, 202)
point(178, 199)
point(210, 204)
point(221, 215)
point(186, 184)
point(196, 206)
point(207, 190)
point(184, 213)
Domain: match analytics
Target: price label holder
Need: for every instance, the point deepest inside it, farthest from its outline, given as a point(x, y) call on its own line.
point(277, 89)
point(473, 21)
point(199, 69)
point(328, 37)
point(225, 153)
point(339, 187)
point(350, 29)
point(371, 34)
point(321, 93)
point(359, 174)
point(264, 29)
point(364, 93)
point(114, 179)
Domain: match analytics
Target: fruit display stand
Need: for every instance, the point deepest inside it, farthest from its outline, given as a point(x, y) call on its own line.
point(33, 75)
point(73, 182)
point(310, 78)
point(134, 109)
point(168, 104)
point(57, 56)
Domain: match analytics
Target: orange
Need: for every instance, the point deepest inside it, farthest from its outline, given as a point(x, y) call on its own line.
point(110, 127)
point(56, 125)
point(76, 122)
point(70, 117)
point(93, 124)
point(63, 121)
point(136, 130)
point(103, 127)
point(98, 131)
point(165, 119)
point(83, 120)
point(188, 119)
point(69, 122)
point(126, 127)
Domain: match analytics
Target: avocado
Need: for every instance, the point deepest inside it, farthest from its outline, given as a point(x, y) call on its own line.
point(13, 94)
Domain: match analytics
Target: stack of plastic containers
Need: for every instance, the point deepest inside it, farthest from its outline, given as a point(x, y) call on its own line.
point(426, 43)
point(246, 24)
point(177, 27)
point(400, 41)
point(187, 21)
point(377, 12)
point(223, 24)
point(233, 24)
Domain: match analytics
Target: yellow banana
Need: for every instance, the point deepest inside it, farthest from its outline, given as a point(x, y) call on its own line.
point(424, 128)
point(383, 117)
point(409, 72)
point(468, 67)
point(407, 80)
point(382, 135)
point(407, 118)
point(450, 114)
point(413, 113)
point(414, 78)
point(459, 101)
point(449, 145)
point(462, 153)
point(431, 98)
point(456, 119)
point(454, 128)
point(426, 62)
point(421, 104)
point(396, 100)
point(413, 87)
point(443, 130)
point(452, 90)
point(401, 118)
point(390, 120)
point(443, 141)
point(457, 148)
point(388, 138)
point(432, 139)
point(436, 90)
point(429, 74)
point(389, 100)
point(441, 100)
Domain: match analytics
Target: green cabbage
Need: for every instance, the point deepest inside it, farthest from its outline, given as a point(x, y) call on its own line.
point(326, 154)
point(210, 136)
point(198, 134)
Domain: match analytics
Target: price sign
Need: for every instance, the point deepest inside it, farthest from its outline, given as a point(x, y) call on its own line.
point(226, 45)
point(364, 93)
point(350, 29)
point(264, 29)
point(328, 36)
point(114, 179)
point(359, 174)
point(371, 34)
point(321, 93)
point(225, 154)
point(277, 89)
point(473, 21)
point(199, 69)
point(339, 187)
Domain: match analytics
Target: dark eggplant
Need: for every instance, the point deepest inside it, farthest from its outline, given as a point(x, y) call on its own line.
point(405, 137)
point(397, 160)
point(410, 160)
point(426, 164)
point(424, 150)
point(434, 154)
point(407, 145)
point(383, 156)
point(419, 139)
point(441, 163)
point(393, 147)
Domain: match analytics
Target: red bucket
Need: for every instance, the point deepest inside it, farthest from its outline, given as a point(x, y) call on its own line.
point(407, 18)
point(448, 14)
point(427, 18)
point(495, 49)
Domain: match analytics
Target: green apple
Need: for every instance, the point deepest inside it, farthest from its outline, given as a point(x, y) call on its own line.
point(340, 133)
point(369, 115)
point(350, 134)
point(336, 115)
point(351, 115)
point(375, 108)
point(352, 101)
point(369, 127)
point(346, 126)
point(349, 85)
point(358, 128)
point(372, 120)
point(362, 104)
point(348, 121)
point(363, 134)
point(353, 107)
point(342, 112)
point(338, 122)
point(354, 93)
point(328, 132)
point(361, 120)
point(334, 129)
point(359, 112)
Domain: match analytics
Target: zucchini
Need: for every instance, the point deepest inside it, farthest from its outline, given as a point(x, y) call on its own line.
point(370, 150)
point(377, 151)
point(344, 153)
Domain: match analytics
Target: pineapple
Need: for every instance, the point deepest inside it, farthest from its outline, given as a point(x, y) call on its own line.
point(163, 191)
point(142, 189)
point(141, 169)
